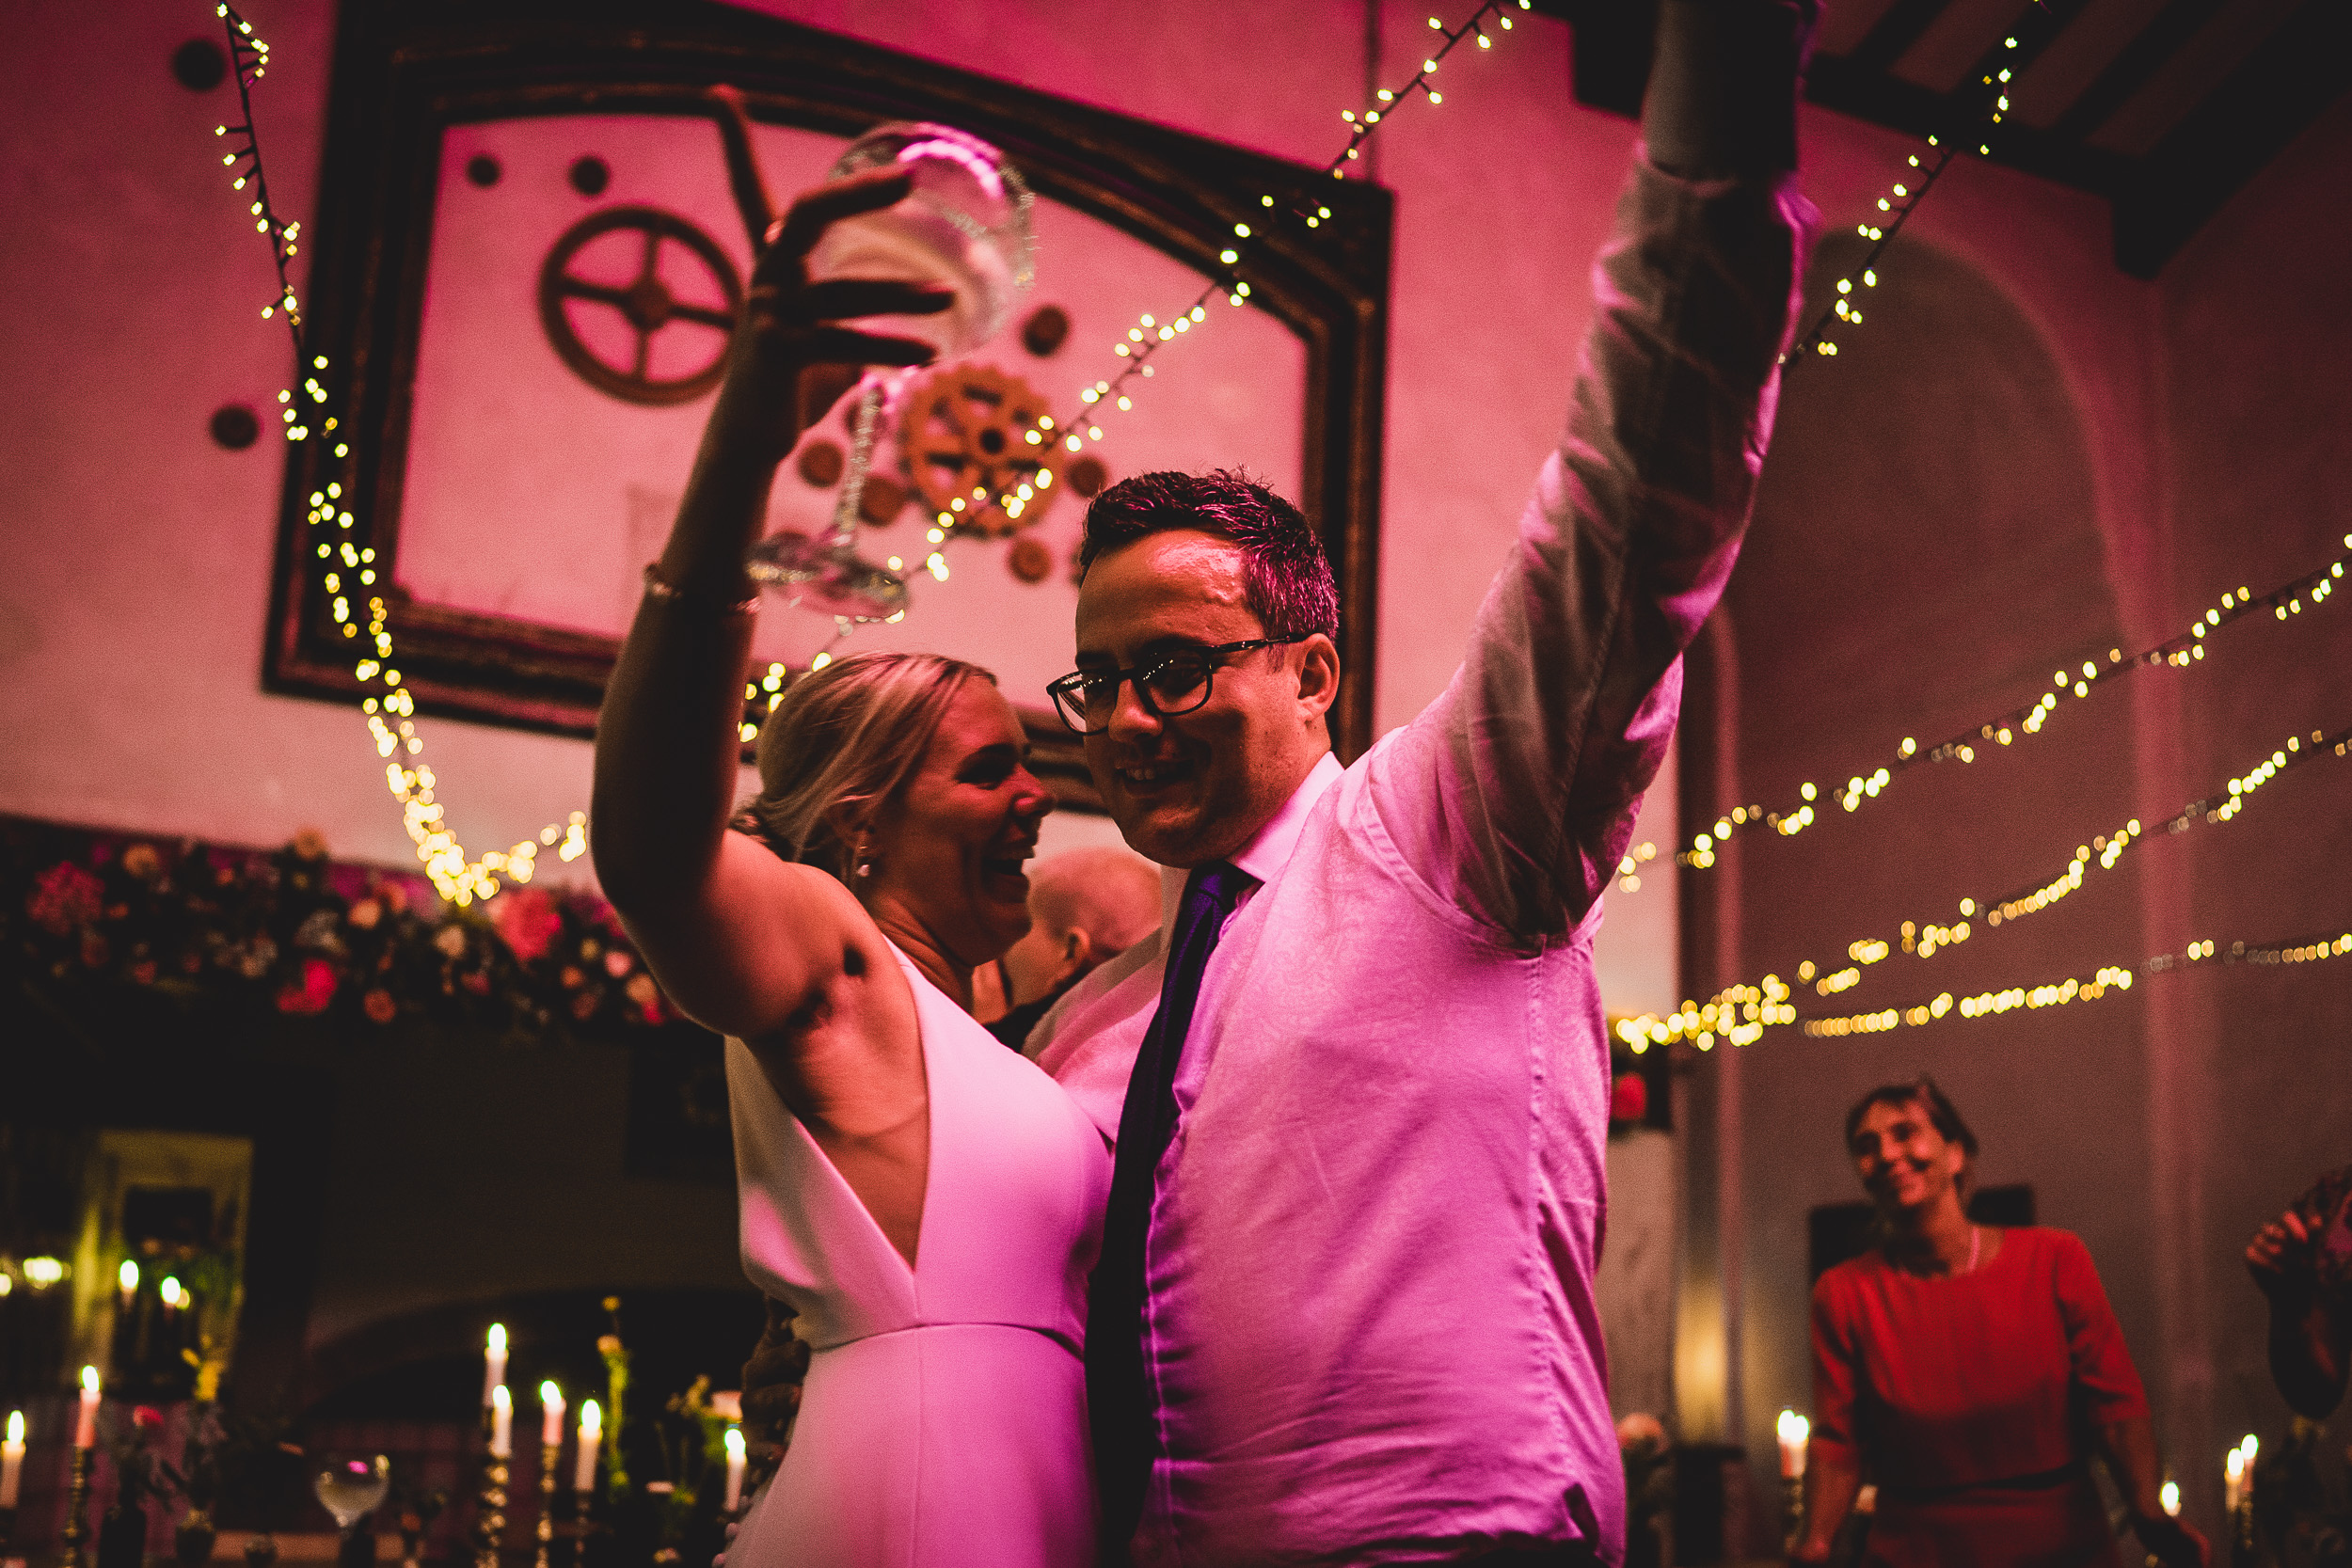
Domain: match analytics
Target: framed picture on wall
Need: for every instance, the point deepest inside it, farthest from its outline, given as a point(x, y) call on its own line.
point(529, 259)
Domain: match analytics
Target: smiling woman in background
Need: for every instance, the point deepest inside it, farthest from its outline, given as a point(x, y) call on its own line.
point(1969, 1372)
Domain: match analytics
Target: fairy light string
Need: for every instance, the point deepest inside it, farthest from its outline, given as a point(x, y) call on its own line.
point(1742, 1012)
point(347, 573)
point(2110, 981)
point(1905, 193)
point(2285, 601)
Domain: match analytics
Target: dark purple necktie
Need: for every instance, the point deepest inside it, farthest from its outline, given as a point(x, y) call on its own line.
point(1119, 1402)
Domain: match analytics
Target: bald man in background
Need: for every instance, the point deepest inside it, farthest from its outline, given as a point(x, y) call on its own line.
point(1086, 907)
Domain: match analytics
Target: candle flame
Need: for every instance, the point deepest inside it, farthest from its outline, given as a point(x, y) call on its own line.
point(89, 1379)
point(1793, 1428)
point(734, 1442)
point(550, 1394)
point(171, 1292)
point(497, 1337)
point(2169, 1494)
point(591, 1419)
point(2235, 1465)
point(2249, 1446)
point(129, 1275)
point(500, 1400)
point(16, 1426)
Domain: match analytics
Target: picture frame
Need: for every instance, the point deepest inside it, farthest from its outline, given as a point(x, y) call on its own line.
point(405, 76)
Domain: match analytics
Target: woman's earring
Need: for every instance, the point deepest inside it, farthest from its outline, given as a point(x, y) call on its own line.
point(864, 863)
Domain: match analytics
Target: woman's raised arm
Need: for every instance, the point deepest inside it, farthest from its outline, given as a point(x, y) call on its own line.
point(739, 938)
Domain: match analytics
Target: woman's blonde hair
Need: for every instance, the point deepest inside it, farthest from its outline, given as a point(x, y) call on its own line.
point(849, 735)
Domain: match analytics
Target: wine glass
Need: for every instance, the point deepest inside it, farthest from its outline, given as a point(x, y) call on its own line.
point(352, 1489)
point(964, 227)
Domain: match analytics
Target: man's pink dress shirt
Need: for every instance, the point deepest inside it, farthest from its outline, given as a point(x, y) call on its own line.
point(1371, 1326)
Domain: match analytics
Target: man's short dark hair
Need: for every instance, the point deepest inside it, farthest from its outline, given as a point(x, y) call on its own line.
point(1286, 578)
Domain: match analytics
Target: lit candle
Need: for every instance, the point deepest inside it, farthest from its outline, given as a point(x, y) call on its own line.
point(2170, 1496)
point(12, 1460)
point(1793, 1430)
point(494, 1367)
point(590, 1437)
point(85, 1420)
point(501, 1422)
point(129, 1277)
point(2233, 1480)
point(551, 1415)
point(735, 1468)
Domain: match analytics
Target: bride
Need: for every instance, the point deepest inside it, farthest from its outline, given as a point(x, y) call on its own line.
point(927, 1201)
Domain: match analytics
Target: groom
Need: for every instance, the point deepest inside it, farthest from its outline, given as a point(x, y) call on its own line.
point(1360, 1083)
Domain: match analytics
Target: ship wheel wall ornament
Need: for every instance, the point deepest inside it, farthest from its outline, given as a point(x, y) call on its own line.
point(646, 304)
point(979, 448)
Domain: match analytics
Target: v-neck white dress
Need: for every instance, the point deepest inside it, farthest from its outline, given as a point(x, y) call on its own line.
point(943, 1421)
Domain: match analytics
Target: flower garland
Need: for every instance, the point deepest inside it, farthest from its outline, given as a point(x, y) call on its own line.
point(295, 933)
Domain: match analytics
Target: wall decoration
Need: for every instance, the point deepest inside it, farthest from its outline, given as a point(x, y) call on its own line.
point(291, 933)
point(652, 303)
point(419, 97)
point(974, 447)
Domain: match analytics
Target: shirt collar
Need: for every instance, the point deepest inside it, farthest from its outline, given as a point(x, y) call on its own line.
point(1270, 849)
point(1266, 853)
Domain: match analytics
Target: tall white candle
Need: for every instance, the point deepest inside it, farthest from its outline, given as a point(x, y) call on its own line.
point(735, 1468)
point(1792, 1430)
point(551, 1415)
point(501, 1422)
point(86, 1419)
point(591, 1438)
point(494, 1362)
point(12, 1460)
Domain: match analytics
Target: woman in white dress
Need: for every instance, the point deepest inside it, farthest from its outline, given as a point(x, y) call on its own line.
point(927, 1201)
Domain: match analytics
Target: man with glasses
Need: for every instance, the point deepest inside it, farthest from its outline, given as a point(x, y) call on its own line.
point(1360, 1083)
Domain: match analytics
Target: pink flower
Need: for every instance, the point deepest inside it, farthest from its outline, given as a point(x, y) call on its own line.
point(529, 921)
point(64, 896)
point(315, 990)
point(1628, 1098)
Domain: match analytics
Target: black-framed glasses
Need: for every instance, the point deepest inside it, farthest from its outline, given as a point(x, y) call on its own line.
point(1172, 684)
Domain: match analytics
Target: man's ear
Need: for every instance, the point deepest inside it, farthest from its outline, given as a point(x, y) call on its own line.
point(1077, 954)
point(1318, 676)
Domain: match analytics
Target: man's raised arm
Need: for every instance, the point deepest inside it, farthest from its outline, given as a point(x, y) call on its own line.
point(1514, 793)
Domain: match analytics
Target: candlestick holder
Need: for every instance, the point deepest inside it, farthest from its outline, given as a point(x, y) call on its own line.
point(548, 1455)
point(489, 1525)
point(76, 1530)
point(1792, 1511)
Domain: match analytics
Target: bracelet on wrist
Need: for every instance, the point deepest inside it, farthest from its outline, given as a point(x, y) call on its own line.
point(661, 591)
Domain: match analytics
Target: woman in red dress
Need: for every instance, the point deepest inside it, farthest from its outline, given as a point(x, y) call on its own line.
point(1969, 1372)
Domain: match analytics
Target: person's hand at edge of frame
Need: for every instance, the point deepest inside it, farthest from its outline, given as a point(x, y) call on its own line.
point(2280, 1256)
